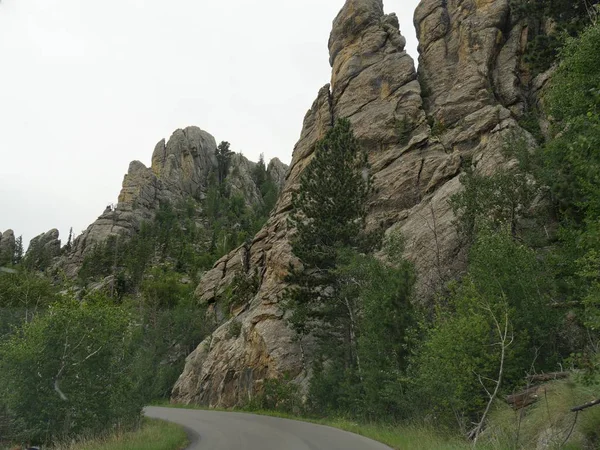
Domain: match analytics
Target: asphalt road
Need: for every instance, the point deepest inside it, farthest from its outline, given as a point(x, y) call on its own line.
point(214, 430)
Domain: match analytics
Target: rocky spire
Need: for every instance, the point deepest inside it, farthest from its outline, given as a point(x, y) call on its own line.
point(7, 247)
point(180, 169)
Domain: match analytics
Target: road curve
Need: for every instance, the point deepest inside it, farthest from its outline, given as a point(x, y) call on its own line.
point(214, 430)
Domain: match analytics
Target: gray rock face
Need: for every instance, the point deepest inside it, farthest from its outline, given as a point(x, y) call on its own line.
point(7, 247)
point(419, 129)
point(278, 171)
point(180, 169)
point(43, 249)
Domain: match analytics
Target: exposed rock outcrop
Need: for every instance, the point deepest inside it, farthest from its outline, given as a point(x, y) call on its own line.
point(419, 130)
point(277, 170)
point(180, 169)
point(43, 249)
point(8, 245)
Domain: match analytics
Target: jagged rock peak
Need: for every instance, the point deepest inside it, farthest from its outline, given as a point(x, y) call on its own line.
point(43, 248)
point(461, 45)
point(180, 169)
point(278, 171)
point(351, 22)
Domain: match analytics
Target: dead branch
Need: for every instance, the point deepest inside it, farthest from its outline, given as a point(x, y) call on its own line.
point(524, 398)
point(504, 342)
point(586, 406)
point(544, 377)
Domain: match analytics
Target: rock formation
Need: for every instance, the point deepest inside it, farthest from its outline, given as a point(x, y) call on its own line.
point(420, 130)
point(8, 245)
point(180, 169)
point(43, 249)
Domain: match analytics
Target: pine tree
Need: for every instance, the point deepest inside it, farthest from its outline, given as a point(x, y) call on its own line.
point(69, 245)
point(259, 173)
point(18, 256)
point(223, 154)
point(329, 211)
point(330, 208)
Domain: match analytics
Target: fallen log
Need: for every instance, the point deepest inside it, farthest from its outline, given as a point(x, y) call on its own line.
point(524, 398)
point(544, 377)
point(586, 406)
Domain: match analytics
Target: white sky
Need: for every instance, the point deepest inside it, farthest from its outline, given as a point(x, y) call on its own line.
point(88, 86)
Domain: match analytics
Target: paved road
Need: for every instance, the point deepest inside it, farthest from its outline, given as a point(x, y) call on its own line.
point(213, 430)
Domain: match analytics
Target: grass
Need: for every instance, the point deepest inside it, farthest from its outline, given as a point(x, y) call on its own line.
point(152, 435)
point(550, 420)
point(397, 437)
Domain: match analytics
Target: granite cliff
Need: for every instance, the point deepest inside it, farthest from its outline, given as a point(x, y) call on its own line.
point(420, 128)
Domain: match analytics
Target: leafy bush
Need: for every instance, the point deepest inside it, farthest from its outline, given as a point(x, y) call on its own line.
point(277, 395)
point(506, 284)
point(23, 295)
point(66, 373)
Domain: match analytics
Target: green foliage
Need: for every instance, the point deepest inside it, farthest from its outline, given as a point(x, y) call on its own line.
point(150, 435)
point(330, 207)
point(269, 190)
point(66, 373)
point(549, 23)
point(437, 127)
point(384, 327)
point(174, 237)
point(372, 386)
point(223, 155)
point(329, 213)
point(363, 376)
point(571, 164)
point(240, 291)
point(404, 129)
point(505, 281)
point(23, 295)
point(526, 428)
point(571, 157)
point(493, 201)
point(259, 173)
point(171, 326)
point(279, 395)
point(351, 304)
point(234, 329)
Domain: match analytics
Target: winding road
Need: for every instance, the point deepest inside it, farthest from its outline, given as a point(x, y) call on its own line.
point(214, 430)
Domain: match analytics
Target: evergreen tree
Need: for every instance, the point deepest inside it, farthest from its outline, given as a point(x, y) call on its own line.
point(330, 207)
point(223, 154)
point(18, 256)
point(329, 218)
point(259, 173)
point(69, 245)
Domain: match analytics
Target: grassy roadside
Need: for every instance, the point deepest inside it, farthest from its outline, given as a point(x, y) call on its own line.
point(152, 435)
point(397, 437)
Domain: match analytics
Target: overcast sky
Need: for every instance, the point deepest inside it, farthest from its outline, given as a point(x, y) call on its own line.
point(88, 86)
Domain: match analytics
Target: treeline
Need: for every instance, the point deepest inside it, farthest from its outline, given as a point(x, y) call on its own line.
point(528, 303)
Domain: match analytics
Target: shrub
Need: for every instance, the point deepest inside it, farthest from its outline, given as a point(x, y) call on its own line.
point(66, 373)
